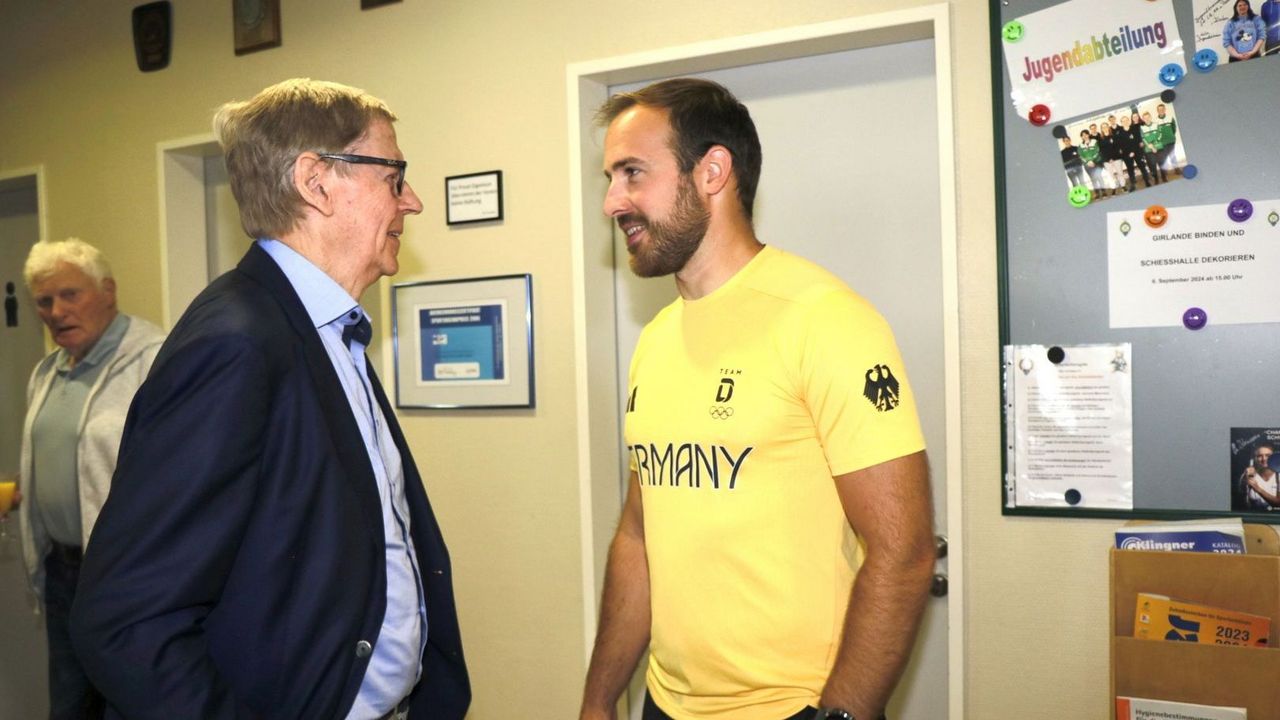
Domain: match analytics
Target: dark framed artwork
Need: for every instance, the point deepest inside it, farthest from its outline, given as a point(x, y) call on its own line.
point(256, 24)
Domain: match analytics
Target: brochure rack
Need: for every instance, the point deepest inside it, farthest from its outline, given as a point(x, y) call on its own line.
point(1192, 672)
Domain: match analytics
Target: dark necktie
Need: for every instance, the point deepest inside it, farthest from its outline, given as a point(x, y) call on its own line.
point(361, 332)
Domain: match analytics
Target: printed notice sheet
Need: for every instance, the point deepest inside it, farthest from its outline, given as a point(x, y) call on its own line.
point(1198, 257)
point(1070, 426)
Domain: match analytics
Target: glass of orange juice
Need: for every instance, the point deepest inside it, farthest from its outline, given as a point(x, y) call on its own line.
point(7, 486)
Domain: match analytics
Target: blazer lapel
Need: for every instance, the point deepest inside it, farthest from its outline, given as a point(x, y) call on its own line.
point(347, 443)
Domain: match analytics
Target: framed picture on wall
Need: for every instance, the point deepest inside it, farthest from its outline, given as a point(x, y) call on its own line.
point(464, 343)
point(473, 198)
point(256, 23)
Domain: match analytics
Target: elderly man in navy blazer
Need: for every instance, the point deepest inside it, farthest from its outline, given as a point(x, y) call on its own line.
point(267, 549)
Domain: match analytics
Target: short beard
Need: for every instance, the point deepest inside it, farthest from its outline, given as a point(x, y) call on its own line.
point(672, 242)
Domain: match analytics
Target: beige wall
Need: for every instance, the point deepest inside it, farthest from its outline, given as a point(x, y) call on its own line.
point(480, 84)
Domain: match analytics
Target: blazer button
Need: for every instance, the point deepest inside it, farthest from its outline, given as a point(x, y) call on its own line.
point(363, 649)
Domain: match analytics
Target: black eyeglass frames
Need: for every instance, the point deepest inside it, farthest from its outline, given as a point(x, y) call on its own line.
point(371, 160)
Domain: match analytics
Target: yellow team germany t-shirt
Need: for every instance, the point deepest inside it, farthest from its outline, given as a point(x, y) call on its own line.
point(742, 407)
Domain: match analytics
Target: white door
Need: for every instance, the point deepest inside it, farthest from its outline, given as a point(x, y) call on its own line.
point(850, 181)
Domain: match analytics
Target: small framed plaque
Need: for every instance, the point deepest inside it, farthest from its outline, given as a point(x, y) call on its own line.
point(473, 198)
point(257, 24)
point(464, 343)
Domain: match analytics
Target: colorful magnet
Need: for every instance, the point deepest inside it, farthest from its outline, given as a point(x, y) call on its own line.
point(1240, 210)
point(1189, 172)
point(1171, 74)
point(1194, 318)
point(1079, 196)
point(1205, 60)
point(1039, 115)
point(1013, 31)
point(1167, 96)
point(1156, 216)
point(1273, 218)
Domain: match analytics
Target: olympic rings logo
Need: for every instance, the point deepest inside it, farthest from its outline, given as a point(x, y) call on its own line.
point(721, 413)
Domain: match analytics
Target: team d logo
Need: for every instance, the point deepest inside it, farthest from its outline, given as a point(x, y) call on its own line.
point(881, 388)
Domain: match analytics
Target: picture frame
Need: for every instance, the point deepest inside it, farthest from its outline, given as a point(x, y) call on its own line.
point(464, 343)
point(256, 24)
point(473, 198)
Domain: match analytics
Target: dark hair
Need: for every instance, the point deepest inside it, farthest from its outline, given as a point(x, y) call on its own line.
point(1264, 444)
point(1235, 13)
point(702, 114)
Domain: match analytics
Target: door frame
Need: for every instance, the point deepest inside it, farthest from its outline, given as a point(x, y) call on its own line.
point(42, 204)
point(595, 353)
point(184, 265)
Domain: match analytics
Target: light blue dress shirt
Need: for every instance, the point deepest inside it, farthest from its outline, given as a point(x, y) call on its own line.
point(396, 662)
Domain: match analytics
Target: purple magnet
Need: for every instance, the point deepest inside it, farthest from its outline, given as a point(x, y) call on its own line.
point(1189, 172)
point(1194, 318)
point(1240, 210)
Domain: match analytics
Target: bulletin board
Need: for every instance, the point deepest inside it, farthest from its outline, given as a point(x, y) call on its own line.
point(1175, 285)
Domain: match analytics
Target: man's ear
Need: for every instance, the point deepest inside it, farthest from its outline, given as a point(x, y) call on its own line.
point(715, 169)
point(108, 288)
point(311, 178)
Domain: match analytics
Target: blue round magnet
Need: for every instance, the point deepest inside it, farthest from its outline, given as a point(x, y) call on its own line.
point(1189, 172)
point(1194, 318)
point(1240, 210)
point(1072, 496)
point(1205, 60)
point(1171, 74)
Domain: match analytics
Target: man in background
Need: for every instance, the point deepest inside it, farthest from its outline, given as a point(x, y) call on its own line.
point(268, 549)
point(77, 399)
point(774, 444)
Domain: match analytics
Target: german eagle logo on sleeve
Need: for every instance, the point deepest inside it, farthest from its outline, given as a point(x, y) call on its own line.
point(881, 388)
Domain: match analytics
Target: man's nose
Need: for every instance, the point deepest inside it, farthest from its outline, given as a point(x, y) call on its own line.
point(409, 200)
point(615, 201)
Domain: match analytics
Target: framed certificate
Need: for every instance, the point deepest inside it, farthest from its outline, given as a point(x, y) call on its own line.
point(464, 343)
point(473, 198)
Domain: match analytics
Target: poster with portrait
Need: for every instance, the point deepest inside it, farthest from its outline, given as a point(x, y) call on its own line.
point(1237, 30)
point(1255, 469)
point(1124, 149)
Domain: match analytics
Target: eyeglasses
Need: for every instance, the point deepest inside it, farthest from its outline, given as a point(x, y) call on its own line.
point(371, 160)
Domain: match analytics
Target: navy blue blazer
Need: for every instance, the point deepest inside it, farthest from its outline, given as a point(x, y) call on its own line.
point(238, 564)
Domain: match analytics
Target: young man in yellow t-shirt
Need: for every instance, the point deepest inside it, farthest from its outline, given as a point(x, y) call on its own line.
point(768, 417)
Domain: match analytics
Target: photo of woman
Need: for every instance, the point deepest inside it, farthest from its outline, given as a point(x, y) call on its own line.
point(1245, 33)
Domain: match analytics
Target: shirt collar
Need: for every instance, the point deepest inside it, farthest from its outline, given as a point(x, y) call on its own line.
point(323, 298)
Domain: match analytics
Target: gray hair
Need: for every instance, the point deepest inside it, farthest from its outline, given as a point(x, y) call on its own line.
point(46, 255)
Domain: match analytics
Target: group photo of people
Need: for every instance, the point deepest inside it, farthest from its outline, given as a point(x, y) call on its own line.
point(1124, 149)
